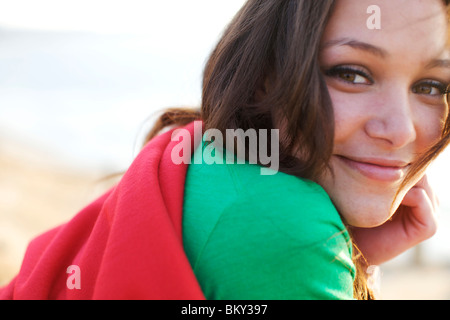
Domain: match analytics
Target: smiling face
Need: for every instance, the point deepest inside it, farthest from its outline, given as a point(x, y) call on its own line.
point(387, 88)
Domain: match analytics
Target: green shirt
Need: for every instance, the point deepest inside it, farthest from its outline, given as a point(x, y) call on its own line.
point(253, 236)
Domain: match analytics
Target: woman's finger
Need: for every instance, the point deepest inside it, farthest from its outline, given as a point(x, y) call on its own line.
point(419, 211)
point(415, 196)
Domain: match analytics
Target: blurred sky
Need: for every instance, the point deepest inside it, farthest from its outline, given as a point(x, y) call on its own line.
point(83, 76)
point(79, 78)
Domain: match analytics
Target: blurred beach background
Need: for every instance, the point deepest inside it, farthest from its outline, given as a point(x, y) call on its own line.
point(80, 84)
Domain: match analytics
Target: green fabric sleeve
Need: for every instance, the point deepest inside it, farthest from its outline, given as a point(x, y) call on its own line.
point(249, 236)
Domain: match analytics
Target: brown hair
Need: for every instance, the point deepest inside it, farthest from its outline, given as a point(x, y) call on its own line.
point(276, 44)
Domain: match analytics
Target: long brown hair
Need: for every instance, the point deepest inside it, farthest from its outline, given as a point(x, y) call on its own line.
point(276, 44)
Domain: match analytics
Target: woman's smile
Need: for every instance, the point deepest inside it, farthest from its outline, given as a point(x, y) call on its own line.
point(378, 169)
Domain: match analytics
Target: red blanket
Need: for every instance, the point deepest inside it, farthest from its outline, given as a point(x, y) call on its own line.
point(125, 245)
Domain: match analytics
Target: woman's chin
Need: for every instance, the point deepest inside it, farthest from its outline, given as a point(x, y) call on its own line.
point(366, 214)
point(369, 222)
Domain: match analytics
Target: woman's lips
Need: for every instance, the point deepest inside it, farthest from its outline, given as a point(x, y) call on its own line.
point(384, 170)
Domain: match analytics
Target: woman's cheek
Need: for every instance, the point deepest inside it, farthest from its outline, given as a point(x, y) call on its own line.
point(430, 123)
point(349, 114)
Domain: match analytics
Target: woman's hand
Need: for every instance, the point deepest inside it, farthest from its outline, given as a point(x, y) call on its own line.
point(413, 222)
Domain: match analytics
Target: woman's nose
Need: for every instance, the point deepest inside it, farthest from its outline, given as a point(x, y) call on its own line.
point(392, 121)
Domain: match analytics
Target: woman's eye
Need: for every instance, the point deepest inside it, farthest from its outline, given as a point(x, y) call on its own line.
point(431, 88)
point(352, 77)
point(349, 75)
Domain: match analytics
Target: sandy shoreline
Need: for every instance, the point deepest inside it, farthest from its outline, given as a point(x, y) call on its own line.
point(36, 194)
point(415, 283)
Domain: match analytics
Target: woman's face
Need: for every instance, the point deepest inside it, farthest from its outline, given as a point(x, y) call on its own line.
point(387, 87)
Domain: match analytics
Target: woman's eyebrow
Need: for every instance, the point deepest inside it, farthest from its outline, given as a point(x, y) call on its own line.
point(380, 52)
point(356, 44)
point(438, 63)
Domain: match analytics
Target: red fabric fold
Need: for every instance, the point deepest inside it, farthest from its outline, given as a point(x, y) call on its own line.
point(127, 244)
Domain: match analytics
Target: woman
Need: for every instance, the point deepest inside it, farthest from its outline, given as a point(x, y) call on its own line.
point(387, 92)
point(361, 112)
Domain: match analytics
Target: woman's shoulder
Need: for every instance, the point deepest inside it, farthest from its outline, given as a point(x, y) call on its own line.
point(277, 236)
point(297, 206)
point(240, 192)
